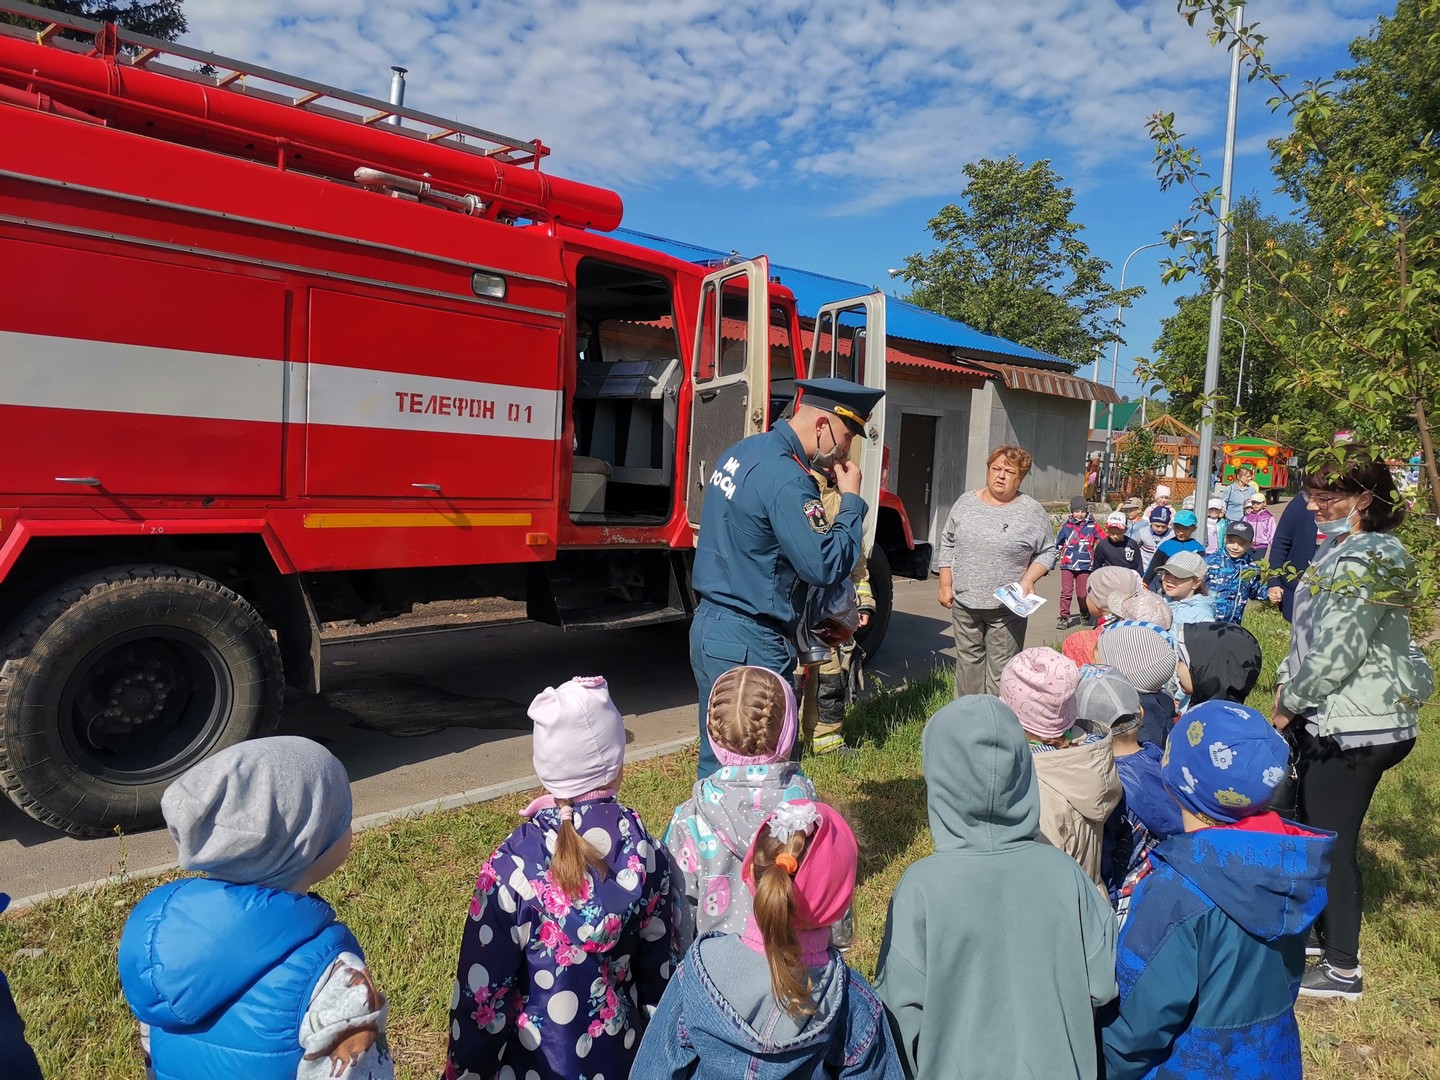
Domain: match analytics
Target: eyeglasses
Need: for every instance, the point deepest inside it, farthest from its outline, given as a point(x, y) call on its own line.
point(1327, 498)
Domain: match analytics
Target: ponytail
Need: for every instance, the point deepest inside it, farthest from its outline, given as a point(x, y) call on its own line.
point(574, 856)
point(775, 916)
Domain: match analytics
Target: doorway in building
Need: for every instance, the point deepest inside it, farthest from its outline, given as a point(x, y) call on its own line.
point(916, 477)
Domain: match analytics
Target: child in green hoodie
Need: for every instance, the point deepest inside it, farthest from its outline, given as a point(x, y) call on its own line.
point(997, 923)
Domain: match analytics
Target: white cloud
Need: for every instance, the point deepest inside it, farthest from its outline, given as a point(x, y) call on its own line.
point(876, 101)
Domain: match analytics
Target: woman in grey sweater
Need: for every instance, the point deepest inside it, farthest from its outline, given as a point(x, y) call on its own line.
point(993, 537)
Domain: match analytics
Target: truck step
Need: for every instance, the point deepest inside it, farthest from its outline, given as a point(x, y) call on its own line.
point(620, 617)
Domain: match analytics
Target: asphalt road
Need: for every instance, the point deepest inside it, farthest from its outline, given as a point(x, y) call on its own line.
point(432, 718)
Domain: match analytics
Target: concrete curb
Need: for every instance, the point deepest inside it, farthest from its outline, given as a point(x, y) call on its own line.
point(369, 821)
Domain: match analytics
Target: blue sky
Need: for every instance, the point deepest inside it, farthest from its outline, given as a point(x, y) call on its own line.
point(823, 133)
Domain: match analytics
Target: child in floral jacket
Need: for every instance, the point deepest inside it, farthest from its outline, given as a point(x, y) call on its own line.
point(570, 932)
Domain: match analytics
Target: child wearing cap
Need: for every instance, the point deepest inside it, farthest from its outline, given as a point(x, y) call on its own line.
point(1161, 500)
point(1213, 950)
point(1073, 763)
point(1116, 547)
point(1142, 653)
point(996, 924)
point(1182, 582)
point(1183, 539)
point(776, 999)
point(752, 727)
point(1109, 586)
point(1215, 525)
point(1076, 543)
point(244, 972)
point(1146, 814)
point(1259, 518)
point(1232, 577)
point(569, 935)
point(1155, 534)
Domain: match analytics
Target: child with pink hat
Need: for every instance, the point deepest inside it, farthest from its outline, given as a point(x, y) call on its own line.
point(752, 727)
point(777, 1000)
point(1074, 762)
point(570, 931)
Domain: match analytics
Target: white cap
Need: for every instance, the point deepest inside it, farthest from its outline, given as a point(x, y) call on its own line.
point(1217, 504)
point(1118, 519)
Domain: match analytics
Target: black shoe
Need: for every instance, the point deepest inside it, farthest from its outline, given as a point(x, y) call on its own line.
point(1062, 623)
point(1313, 948)
point(1322, 982)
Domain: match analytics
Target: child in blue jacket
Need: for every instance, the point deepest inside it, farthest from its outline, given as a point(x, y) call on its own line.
point(245, 972)
point(1211, 956)
point(1076, 542)
point(1231, 577)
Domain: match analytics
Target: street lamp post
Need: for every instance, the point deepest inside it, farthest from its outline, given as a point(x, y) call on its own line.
point(1115, 361)
point(900, 272)
point(1240, 377)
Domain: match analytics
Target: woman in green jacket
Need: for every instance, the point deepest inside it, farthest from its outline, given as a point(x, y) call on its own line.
point(1351, 687)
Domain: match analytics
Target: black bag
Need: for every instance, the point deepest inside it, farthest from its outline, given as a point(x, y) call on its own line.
point(1285, 800)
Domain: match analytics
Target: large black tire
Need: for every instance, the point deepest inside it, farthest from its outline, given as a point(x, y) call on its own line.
point(883, 586)
point(117, 682)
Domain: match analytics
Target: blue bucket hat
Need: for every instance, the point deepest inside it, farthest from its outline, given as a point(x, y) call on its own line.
point(1223, 761)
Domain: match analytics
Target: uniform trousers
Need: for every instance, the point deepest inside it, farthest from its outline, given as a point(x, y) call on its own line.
point(721, 639)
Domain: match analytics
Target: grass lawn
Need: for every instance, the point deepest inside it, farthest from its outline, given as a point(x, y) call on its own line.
point(406, 889)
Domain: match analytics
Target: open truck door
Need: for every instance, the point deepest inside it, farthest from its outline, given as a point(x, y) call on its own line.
point(730, 367)
point(849, 343)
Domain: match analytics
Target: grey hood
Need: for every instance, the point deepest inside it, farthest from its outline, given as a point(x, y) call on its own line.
point(981, 781)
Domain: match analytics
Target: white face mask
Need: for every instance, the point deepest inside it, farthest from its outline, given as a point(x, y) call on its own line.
point(1331, 529)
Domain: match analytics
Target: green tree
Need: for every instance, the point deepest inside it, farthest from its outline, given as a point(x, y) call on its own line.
point(1378, 112)
point(1010, 262)
point(164, 19)
point(1138, 460)
point(1360, 321)
point(1269, 395)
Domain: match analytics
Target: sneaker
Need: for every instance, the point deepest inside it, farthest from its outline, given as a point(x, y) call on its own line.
point(1062, 623)
point(827, 744)
point(1322, 982)
point(1313, 948)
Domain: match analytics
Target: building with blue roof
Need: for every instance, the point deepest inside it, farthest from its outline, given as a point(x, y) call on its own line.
point(954, 394)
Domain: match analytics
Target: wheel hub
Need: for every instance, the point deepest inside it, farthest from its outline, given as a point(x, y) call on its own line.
point(132, 691)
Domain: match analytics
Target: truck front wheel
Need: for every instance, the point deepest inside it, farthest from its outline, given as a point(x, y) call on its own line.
point(117, 682)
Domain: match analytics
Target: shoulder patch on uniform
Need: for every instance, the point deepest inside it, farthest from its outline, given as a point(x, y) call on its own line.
point(814, 511)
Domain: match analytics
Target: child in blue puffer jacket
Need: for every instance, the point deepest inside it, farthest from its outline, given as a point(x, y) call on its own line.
point(1211, 956)
point(245, 972)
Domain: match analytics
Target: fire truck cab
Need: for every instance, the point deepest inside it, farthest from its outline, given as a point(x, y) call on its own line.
point(268, 359)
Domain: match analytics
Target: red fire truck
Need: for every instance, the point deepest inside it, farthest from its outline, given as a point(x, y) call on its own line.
point(273, 354)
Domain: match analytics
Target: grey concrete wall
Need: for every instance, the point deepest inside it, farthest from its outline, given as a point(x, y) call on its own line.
point(1053, 429)
point(951, 405)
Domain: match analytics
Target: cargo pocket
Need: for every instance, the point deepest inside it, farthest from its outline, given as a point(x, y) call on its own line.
point(732, 653)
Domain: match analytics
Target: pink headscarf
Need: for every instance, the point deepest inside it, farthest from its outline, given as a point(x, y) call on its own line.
point(783, 745)
point(825, 881)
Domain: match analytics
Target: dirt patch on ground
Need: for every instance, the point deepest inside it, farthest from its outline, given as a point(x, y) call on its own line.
point(424, 616)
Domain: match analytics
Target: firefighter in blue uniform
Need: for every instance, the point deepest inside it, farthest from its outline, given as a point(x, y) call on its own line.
point(764, 535)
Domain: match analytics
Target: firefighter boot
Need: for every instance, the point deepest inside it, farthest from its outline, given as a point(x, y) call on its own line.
point(832, 697)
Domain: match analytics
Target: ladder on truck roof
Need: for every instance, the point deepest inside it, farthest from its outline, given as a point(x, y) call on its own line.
point(235, 76)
